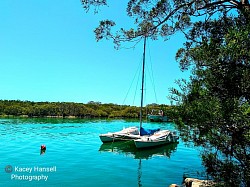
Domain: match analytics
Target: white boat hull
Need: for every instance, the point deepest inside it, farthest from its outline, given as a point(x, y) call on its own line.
point(106, 137)
point(145, 144)
point(111, 137)
point(130, 133)
point(159, 138)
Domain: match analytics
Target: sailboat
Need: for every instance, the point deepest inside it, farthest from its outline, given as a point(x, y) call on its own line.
point(151, 137)
point(126, 134)
point(155, 116)
point(142, 137)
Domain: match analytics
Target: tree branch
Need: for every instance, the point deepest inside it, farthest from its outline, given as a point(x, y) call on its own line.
point(171, 14)
point(208, 5)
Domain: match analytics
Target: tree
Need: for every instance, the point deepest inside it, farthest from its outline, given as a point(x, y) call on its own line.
point(216, 100)
point(154, 18)
point(214, 103)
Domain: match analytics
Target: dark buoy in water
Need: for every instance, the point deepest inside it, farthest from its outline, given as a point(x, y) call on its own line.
point(43, 147)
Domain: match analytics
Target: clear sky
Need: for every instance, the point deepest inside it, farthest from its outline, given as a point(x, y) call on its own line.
point(48, 52)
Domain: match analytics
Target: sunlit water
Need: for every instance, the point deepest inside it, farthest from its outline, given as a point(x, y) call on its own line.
point(78, 157)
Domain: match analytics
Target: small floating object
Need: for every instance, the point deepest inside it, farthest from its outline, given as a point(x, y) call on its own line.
point(43, 147)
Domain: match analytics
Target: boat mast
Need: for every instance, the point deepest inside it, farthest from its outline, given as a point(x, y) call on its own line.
point(142, 86)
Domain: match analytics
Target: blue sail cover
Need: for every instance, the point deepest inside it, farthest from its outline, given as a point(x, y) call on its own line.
point(144, 131)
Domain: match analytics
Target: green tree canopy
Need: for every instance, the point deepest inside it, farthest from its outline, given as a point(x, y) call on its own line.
point(215, 102)
point(154, 18)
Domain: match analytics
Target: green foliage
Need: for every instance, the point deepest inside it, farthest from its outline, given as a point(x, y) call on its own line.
point(214, 105)
point(63, 109)
point(154, 18)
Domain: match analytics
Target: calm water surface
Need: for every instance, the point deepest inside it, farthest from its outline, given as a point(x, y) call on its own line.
point(77, 157)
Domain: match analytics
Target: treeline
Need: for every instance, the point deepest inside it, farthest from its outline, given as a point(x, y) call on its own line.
point(70, 109)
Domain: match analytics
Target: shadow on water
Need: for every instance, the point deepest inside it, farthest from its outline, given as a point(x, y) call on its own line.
point(128, 148)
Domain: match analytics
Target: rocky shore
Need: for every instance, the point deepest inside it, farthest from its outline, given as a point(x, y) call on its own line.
point(192, 182)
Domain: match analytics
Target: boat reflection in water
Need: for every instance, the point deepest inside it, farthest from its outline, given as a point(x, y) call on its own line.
point(129, 148)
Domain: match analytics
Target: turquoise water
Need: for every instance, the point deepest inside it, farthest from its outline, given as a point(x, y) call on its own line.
point(76, 156)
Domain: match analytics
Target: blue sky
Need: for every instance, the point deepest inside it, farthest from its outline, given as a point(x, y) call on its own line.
point(48, 52)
